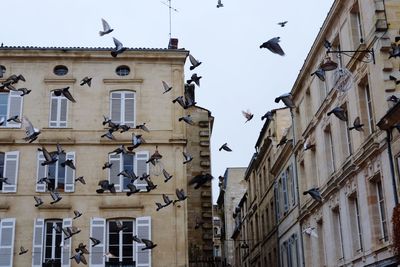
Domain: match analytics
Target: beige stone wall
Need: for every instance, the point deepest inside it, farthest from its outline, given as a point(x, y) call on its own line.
point(148, 69)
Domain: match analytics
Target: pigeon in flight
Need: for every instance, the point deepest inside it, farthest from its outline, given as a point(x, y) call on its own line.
point(119, 48)
point(273, 46)
point(109, 134)
point(392, 78)
point(95, 241)
point(2, 120)
point(14, 119)
point(136, 239)
point(180, 194)
point(49, 159)
point(314, 193)
point(14, 78)
point(80, 179)
point(22, 250)
point(269, 116)
point(137, 140)
point(82, 248)
point(225, 147)
point(194, 78)
point(148, 244)
point(200, 180)
point(106, 28)
point(189, 95)
point(55, 196)
point(282, 23)
point(111, 124)
point(142, 127)
point(119, 150)
point(339, 112)
point(187, 157)
point(167, 176)
point(357, 125)
point(181, 101)
point(65, 92)
point(124, 128)
point(31, 132)
point(219, 4)
point(105, 185)
point(120, 226)
point(167, 202)
point(3, 179)
point(310, 231)
point(24, 91)
point(195, 63)
point(86, 80)
point(69, 163)
point(132, 189)
point(166, 87)
point(159, 206)
point(188, 119)
point(79, 257)
point(107, 165)
point(77, 214)
point(150, 185)
point(320, 73)
point(248, 115)
point(38, 200)
point(128, 174)
point(70, 231)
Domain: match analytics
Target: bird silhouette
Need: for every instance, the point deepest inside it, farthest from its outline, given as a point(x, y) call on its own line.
point(200, 179)
point(95, 241)
point(180, 194)
point(357, 125)
point(166, 87)
point(120, 226)
point(105, 186)
point(188, 119)
point(79, 257)
point(24, 91)
point(320, 73)
point(49, 159)
point(55, 196)
point(142, 127)
point(31, 132)
point(286, 99)
point(124, 128)
point(38, 201)
point(187, 157)
point(119, 48)
point(22, 250)
point(106, 28)
point(80, 179)
point(69, 163)
point(77, 214)
point(167, 176)
point(314, 193)
point(195, 63)
point(86, 80)
point(225, 147)
point(248, 115)
point(392, 78)
point(282, 23)
point(273, 46)
point(269, 116)
point(148, 244)
point(107, 165)
point(65, 92)
point(339, 112)
point(194, 78)
point(132, 189)
point(219, 4)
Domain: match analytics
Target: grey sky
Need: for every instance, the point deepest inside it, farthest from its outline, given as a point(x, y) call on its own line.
point(237, 74)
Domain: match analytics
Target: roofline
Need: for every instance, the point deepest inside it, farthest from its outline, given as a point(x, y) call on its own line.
point(265, 126)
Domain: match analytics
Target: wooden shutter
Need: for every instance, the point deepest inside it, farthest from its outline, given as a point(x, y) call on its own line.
point(53, 111)
point(115, 106)
point(7, 232)
point(41, 172)
point(129, 109)
point(141, 167)
point(37, 246)
point(66, 248)
point(11, 171)
point(143, 230)
point(277, 209)
point(284, 191)
point(70, 173)
point(14, 108)
point(116, 160)
point(98, 231)
point(63, 109)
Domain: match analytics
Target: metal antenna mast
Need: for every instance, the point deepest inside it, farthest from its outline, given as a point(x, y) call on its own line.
point(170, 16)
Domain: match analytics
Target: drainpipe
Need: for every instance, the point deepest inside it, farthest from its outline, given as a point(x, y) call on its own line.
point(297, 186)
point(388, 140)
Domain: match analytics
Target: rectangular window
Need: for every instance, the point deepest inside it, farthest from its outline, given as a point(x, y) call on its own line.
point(294, 251)
point(58, 111)
point(345, 135)
point(368, 102)
point(2, 155)
point(123, 107)
point(330, 152)
point(52, 242)
point(7, 234)
point(366, 111)
point(382, 211)
point(356, 27)
point(321, 243)
point(10, 105)
point(337, 231)
point(120, 242)
point(355, 223)
point(9, 169)
point(291, 185)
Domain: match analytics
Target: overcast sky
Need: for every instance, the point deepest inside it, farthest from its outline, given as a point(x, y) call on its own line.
point(237, 74)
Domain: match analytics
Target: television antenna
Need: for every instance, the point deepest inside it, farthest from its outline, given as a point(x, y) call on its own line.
point(170, 16)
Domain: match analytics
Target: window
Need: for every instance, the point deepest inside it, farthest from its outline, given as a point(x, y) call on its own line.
point(291, 185)
point(58, 111)
point(329, 152)
point(7, 234)
point(217, 252)
point(129, 162)
point(122, 70)
point(60, 70)
point(382, 211)
point(337, 232)
point(366, 111)
point(321, 244)
point(2, 71)
point(355, 224)
point(128, 253)
point(123, 107)
point(9, 169)
point(290, 252)
point(50, 248)
point(345, 135)
point(356, 27)
point(62, 178)
point(10, 105)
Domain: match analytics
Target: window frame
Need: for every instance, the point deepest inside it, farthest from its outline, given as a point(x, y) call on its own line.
point(54, 246)
point(121, 243)
point(12, 96)
point(122, 103)
point(58, 122)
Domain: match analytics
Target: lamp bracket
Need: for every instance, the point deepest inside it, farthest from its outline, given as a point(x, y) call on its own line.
point(370, 54)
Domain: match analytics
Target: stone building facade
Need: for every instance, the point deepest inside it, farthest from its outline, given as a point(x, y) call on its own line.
point(128, 90)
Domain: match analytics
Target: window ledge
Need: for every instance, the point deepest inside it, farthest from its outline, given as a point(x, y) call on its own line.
point(59, 80)
point(4, 206)
point(57, 206)
point(111, 81)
